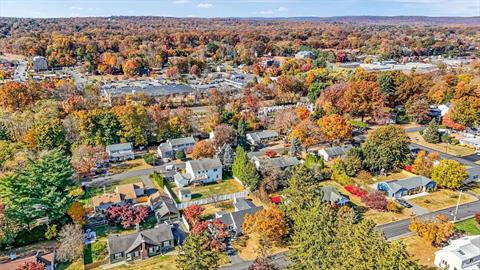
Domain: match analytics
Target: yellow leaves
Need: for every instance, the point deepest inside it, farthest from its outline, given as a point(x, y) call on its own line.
point(269, 223)
point(335, 128)
point(435, 232)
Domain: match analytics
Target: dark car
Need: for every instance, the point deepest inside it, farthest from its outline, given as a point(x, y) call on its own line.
point(404, 203)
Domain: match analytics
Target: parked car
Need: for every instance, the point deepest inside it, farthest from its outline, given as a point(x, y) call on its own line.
point(404, 203)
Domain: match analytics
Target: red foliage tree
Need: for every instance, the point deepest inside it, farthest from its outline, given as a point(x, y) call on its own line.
point(31, 266)
point(375, 200)
point(126, 215)
point(477, 217)
point(270, 153)
point(216, 231)
point(356, 191)
point(192, 213)
point(447, 121)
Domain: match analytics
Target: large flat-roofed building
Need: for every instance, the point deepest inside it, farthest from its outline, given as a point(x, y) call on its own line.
point(39, 63)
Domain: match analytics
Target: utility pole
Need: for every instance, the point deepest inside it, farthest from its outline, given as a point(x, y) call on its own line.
point(456, 208)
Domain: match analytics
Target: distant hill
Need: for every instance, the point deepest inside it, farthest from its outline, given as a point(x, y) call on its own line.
point(395, 20)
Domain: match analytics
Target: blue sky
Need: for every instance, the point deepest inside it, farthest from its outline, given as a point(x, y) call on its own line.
point(237, 8)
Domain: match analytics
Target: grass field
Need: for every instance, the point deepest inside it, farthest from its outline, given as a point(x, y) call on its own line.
point(420, 250)
point(129, 165)
point(468, 226)
point(210, 190)
point(250, 248)
point(381, 217)
point(440, 199)
point(166, 262)
point(456, 150)
point(475, 188)
point(93, 191)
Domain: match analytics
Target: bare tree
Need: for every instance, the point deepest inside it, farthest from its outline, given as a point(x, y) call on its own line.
point(71, 243)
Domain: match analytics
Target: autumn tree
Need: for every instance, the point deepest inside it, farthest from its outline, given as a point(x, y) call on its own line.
point(224, 134)
point(193, 213)
point(15, 96)
point(466, 110)
point(449, 174)
point(86, 157)
point(361, 98)
point(50, 135)
point(126, 215)
point(134, 122)
point(307, 132)
point(424, 163)
point(31, 266)
point(71, 243)
point(435, 232)
point(269, 223)
point(335, 128)
point(131, 67)
point(375, 200)
point(285, 120)
point(99, 127)
point(331, 99)
point(76, 212)
point(418, 108)
point(386, 148)
point(203, 149)
point(196, 253)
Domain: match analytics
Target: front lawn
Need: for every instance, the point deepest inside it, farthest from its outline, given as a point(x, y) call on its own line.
point(166, 262)
point(247, 247)
point(382, 217)
point(456, 150)
point(420, 250)
point(129, 165)
point(441, 199)
point(91, 192)
point(468, 226)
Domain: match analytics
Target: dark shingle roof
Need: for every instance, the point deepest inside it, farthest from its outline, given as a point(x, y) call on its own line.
point(338, 150)
point(128, 242)
point(205, 164)
point(409, 183)
point(182, 141)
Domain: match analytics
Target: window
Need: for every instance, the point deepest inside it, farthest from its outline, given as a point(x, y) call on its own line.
point(117, 255)
point(215, 169)
point(166, 243)
point(151, 250)
point(136, 253)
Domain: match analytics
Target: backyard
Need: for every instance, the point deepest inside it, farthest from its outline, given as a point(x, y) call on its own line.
point(441, 199)
point(247, 247)
point(420, 250)
point(456, 150)
point(468, 226)
point(213, 189)
point(91, 192)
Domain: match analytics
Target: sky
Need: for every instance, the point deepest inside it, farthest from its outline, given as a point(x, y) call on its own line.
point(236, 8)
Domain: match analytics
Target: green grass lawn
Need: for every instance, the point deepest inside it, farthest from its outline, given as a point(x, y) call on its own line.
point(91, 192)
point(210, 190)
point(468, 226)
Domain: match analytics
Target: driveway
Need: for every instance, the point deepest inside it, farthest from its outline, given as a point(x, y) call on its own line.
point(473, 157)
point(417, 210)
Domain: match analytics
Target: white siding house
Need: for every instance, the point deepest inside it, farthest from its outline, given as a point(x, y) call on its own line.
point(205, 170)
point(460, 254)
point(119, 152)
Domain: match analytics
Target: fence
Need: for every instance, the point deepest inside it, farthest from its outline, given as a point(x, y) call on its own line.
point(214, 199)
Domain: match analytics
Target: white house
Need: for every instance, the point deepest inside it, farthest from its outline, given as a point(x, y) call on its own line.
point(334, 152)
point(460, 254)
point(262, 137)
point(444, 108)
point(168, 148)
point(473, 174)
point(120, 151)
point(305, 55)
point(39, 63)
point(205, 170)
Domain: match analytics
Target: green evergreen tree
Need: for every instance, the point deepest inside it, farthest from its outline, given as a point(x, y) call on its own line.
point(242, 133)
point(196, 254)
point(296, 147)
point(245, 170)
point(41, 189)
point(431, 133)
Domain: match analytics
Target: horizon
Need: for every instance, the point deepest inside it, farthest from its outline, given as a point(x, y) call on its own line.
point(264, 9)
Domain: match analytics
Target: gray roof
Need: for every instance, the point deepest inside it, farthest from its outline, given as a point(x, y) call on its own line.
point(151, 90)
point(185, 191)
point(205, 164)
point(126, 243)
point(409, 183)
point(237, 218)
point(167, 207)
point(265, 134)
point(280, 162)
point(119, 147)
point(165, 147)
point(182, 141)
point(331, 194)
point(337, 151)
point(242, 204)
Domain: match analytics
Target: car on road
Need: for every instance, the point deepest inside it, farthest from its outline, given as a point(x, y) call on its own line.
point(404, 203)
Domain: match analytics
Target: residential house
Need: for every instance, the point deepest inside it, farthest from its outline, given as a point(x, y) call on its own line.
point(460, 254)
point(473, 174)
point(46, 258)
point(305, 55)
point(408, 186)
point(106, 200)
point(39, 63)
point(163, 207)
point(234, 220)
point(128, 193)
point(168, 148)
point(334, 152)
point(206, 170)
point(140, 245)
point(281, 163)
point(120, 152)
point(184, 194)
point(262, 137)
point(131, 192)
point(331, 195)
point(180, 180)
point(471, 141)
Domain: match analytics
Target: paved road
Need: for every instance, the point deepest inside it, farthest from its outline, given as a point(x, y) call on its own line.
point(278, 259)
point(20, 71)
point(399, 228)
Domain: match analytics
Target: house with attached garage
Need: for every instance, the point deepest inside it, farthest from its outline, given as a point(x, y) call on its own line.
point(473, 174)
point(281, 163)
point(234, 220)
point(262, 137)
point(120, 151)
point(460, 254)
point(334, 152)
point(140, 245)
point(331, 195)
point(168, 148)
point(206, 170)
point(408, 186)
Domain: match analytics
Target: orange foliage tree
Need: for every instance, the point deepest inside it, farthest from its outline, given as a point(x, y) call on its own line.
point(269, 223)
point(77, 212)
point(307, 132)
point(335, 128)
point(203, 149)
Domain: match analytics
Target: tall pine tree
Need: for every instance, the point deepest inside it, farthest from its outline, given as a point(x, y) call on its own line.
point(245, 170)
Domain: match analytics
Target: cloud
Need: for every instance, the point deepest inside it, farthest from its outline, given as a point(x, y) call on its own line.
point(204, 5)
point(76, 8)
point(265, 12)
point(282, 9)
point(177, 2)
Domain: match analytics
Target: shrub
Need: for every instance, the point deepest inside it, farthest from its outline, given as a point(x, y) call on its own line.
point(342, 178)
point(180, 155)
point(393, 207)
point(51, 232)
point(99, 250)
point(356, 190)
point(477, 217)
point(445, 138)
point(364, 176)
point(158, 178)
point(375, 200)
